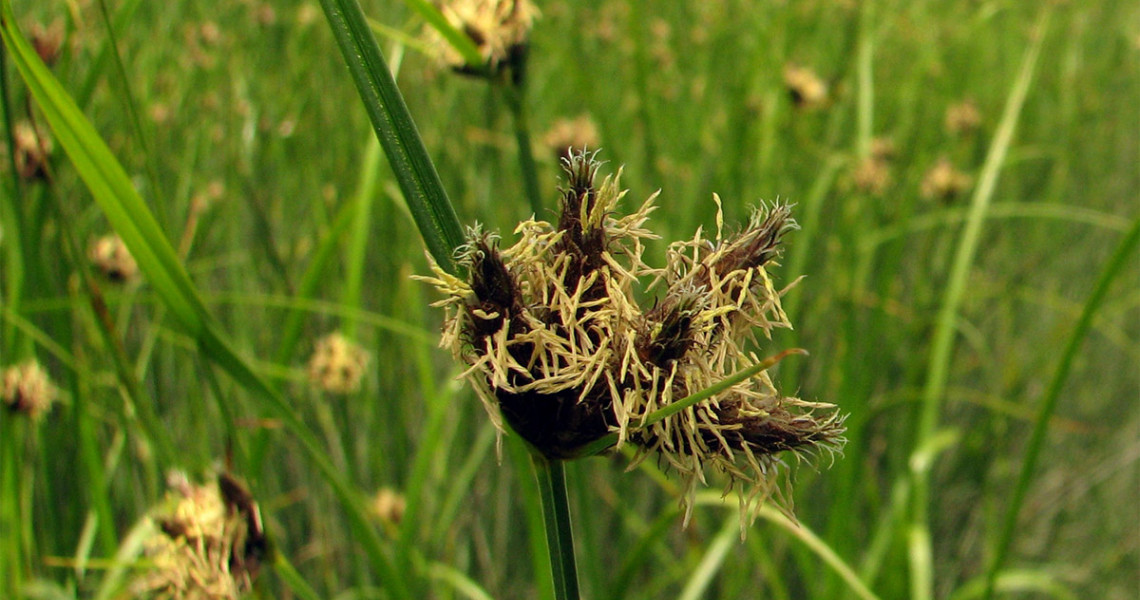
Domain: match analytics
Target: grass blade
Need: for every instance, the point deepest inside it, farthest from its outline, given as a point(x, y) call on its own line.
point(1115, 265)
point(942, 346)
point(432, 211)
point(712, 562)
point(132, 219)
point(108, 182)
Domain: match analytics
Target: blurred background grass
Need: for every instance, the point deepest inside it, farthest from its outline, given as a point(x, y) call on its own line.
point(251, 125)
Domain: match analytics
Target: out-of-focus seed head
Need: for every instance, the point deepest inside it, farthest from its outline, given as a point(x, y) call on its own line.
point(806, 89)
point(47, 41)
point(32, 149)
point(963, 118)
point(389, 505)
point(872, 176)
point(337, 364)
point(113, 259)
point(26, 389)
point(566, 134)
point(208, 542)
point(945, 182)
point(564, 354)
point(500, 30)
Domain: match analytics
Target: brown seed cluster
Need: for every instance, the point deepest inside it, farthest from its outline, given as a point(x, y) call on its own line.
point(873, 174)
point(26, 389)
point(558, 347)
point(963, 118)
point(208, 543)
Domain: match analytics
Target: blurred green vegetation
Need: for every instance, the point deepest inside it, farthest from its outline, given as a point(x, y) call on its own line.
point(253, 141)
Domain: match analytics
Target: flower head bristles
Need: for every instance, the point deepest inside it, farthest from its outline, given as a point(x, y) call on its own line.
point(560, 350)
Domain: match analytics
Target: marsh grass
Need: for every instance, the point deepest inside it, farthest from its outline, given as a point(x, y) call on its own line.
point(253, 156)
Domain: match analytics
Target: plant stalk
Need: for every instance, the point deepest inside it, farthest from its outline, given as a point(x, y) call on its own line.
point(551, 477)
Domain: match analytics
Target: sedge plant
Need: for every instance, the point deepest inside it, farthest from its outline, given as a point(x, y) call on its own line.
point(558, 349)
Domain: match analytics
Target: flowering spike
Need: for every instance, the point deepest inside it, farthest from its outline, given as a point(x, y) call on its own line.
point(560, 349)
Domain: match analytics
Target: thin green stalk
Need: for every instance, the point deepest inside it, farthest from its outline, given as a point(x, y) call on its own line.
point(516, 101)
point(292, 578)
point(712, 561)
point(531, 499)
point(942, 346)
point(12, 259)
point(358, 237)
point(551, 476)
point(1048, 406)
point(131, 106)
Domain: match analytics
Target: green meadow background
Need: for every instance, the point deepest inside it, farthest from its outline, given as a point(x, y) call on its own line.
point(241, 129)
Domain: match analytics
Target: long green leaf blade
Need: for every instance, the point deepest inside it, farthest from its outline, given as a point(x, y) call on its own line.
point(108, 182)
point(432, 211)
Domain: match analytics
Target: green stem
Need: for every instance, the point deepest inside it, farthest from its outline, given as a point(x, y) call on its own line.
point(1115, 265)
point(559, 536)
point(942, 344)
point(516, 100)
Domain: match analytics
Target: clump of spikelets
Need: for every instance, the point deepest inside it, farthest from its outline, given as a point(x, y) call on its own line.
point(500, 30)
point(26, 389)
point(208, 545)
point(558, 348)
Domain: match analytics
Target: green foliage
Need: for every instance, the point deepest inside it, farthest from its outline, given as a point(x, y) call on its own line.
point(262, 220)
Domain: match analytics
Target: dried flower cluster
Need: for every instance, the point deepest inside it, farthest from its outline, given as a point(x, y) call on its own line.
point(558, 347)
point(963, 118)
point(208, 545)
point(337, 364)
point(945, 182)
point(566, 134)
point(26, 389)
point(32, 149)
point(113, 259)
point(389, 506)
point(873, 174)
point(499, 28)
point(806, 88)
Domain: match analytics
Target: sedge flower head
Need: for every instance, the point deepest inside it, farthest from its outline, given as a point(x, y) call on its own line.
point(566, 134)
point(560, 351)
point(338, 365)
point(389, 506)
point(945, 182)
point(500, 30)
point(806, 89)
point(208, 542)
point(113, 259)
point(32, 148)
point(26, 389)
point(963, 118)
